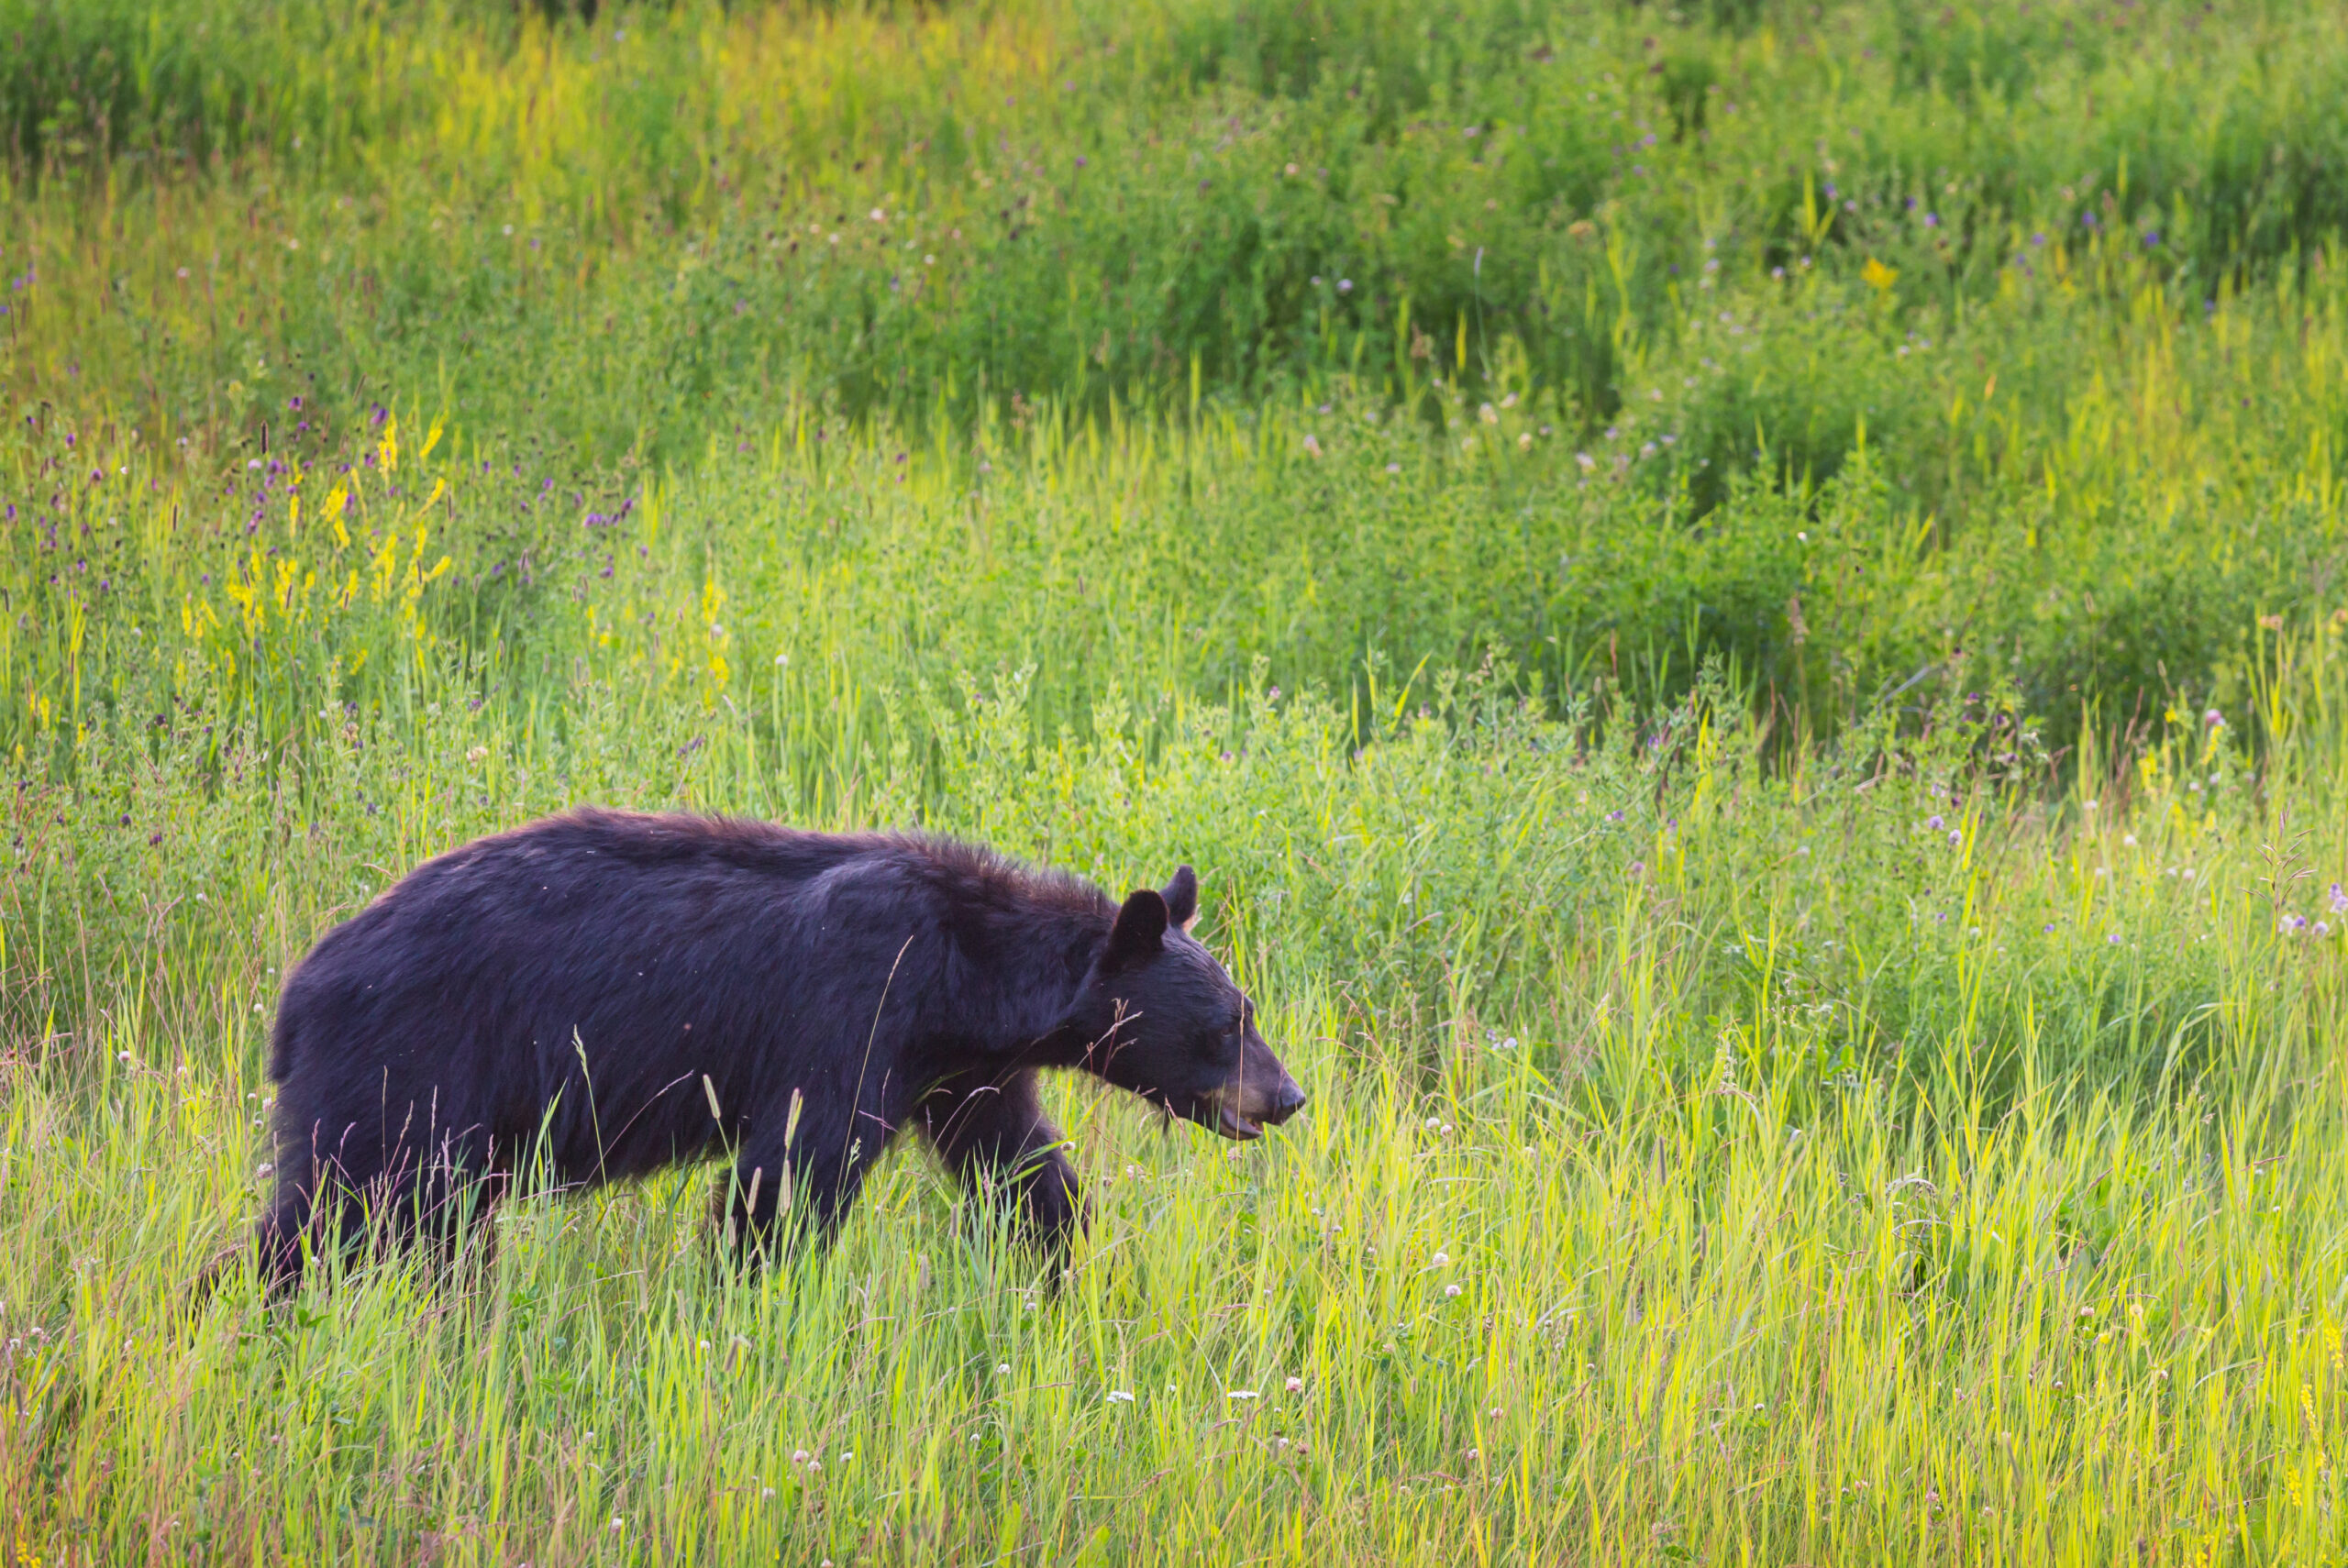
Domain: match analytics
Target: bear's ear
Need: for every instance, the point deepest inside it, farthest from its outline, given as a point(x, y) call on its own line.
point(1182, 898)
point(1140, 931)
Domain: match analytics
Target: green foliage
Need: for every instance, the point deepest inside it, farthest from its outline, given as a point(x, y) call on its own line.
point(1739, 607)
point(167, 83)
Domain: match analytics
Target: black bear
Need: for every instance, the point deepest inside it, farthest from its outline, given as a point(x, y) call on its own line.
point(605, 993)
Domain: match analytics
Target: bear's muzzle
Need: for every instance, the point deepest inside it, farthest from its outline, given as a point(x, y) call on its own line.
point(1260, 1094)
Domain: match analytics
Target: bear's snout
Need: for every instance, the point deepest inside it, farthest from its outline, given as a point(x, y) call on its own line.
point(1261, 1094)
point(1290, 1101)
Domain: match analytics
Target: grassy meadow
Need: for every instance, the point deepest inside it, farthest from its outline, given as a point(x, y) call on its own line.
point(1743, 609)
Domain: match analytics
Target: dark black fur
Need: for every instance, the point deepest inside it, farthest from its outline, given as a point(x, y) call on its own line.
point(605, 978)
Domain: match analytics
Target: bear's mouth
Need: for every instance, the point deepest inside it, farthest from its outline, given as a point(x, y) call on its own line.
point(1239, 1112)
point(1234, 1126)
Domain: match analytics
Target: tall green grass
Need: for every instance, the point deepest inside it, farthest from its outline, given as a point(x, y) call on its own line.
point(1774, 756)
point(1702, 1158)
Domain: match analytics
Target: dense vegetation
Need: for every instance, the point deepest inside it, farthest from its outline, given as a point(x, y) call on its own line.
point(1741, 608)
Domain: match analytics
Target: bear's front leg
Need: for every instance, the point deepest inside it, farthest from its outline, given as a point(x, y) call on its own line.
point(998, 1140)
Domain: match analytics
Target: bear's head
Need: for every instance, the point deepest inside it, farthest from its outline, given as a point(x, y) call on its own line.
point(1162, 1018)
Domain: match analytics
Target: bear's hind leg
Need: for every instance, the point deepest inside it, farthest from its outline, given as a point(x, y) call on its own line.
point(439, 1204)
point(281, 1240)
point(318, 1214)
point(443, 1205)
